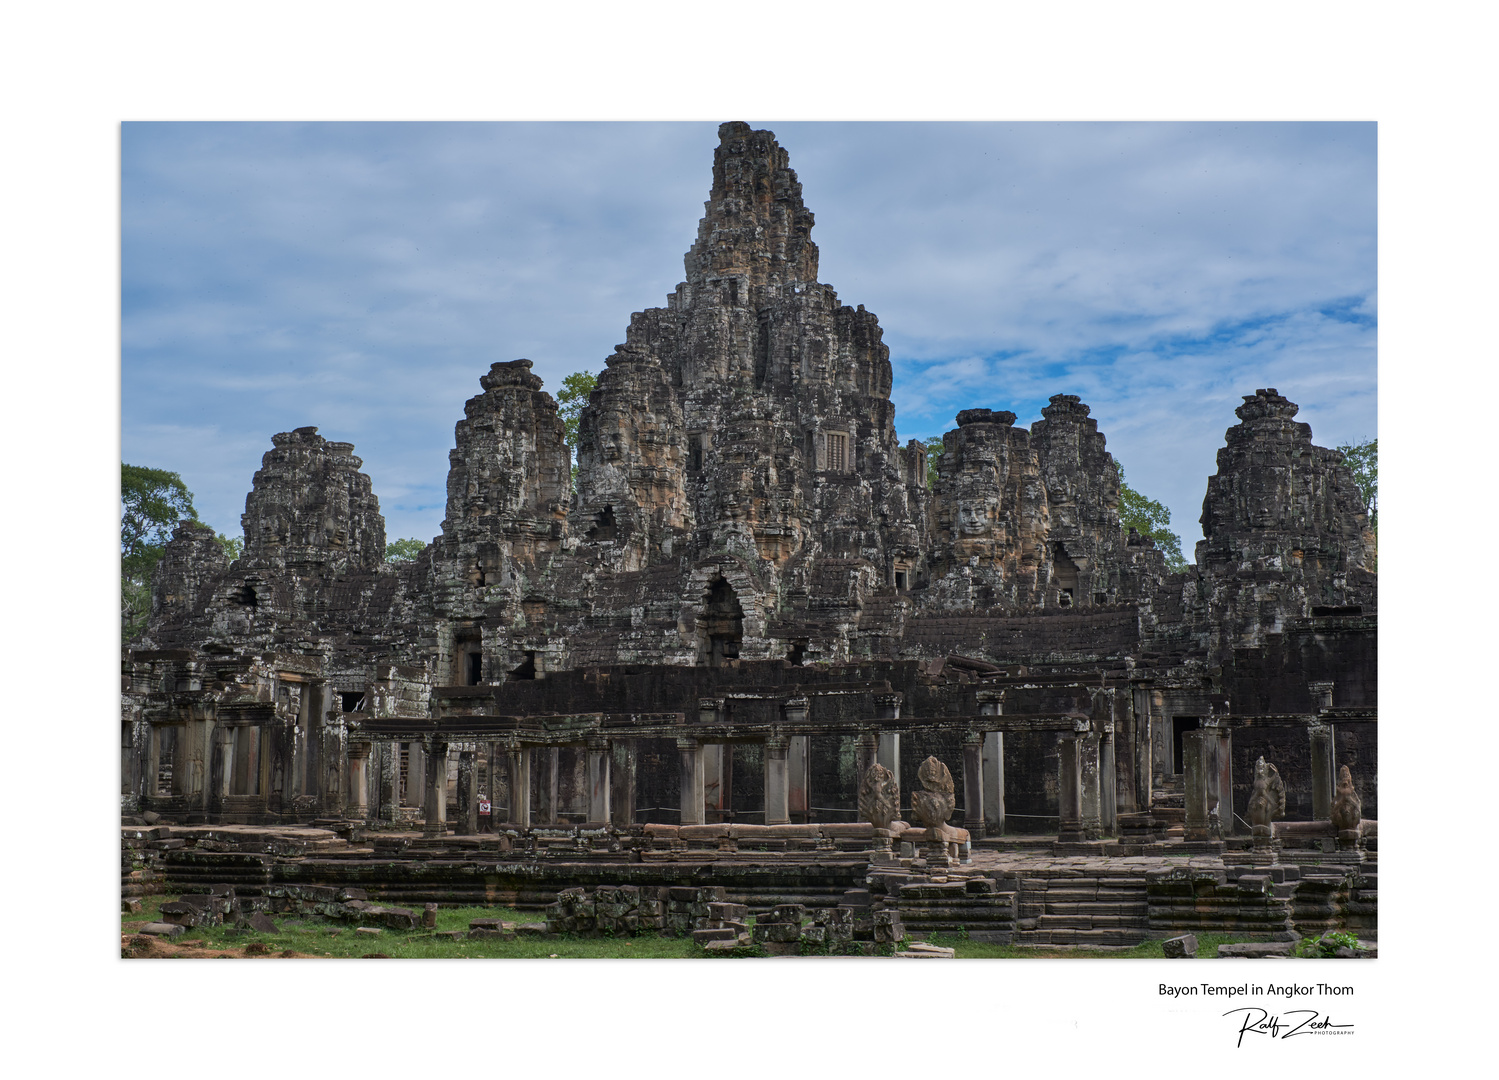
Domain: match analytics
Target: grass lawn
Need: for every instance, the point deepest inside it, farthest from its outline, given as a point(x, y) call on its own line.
point(309, 938)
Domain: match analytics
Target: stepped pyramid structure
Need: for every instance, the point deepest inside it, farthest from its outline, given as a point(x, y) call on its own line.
point(751, 592)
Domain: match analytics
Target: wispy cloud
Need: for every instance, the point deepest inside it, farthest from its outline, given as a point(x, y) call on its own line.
point(361, 277)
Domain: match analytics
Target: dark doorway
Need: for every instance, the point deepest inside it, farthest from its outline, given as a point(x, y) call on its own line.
point(526, 669)
point(474, 669)
point(1180, 725)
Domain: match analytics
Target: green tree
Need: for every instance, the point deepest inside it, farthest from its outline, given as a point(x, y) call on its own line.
point(399, 551)
point(1150, 518)
point(933, 452)
point(152, 502)
point(570, 401)
point(1363, 459)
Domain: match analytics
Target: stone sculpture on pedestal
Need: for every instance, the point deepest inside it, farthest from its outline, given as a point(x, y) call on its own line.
point(879, 804)
point(933, 806)
point(1347, 810)
point(1267, 803)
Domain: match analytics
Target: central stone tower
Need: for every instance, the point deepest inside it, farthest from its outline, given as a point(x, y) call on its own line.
point(749, 421)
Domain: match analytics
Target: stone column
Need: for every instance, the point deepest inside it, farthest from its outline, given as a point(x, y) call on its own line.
point(598, 781)
point(887, 707)
point(416, 774)
point(973, 785)
point(869, 745)
point(1069, 789)
point(436, 803)
point(1196, 772)
point(1144, 756)
point(692, 781)
point(717, 775)
point(520, 786)
point(1221, 777)
point(388, 794)
point(796, 712)
point(777, 806)
point(359, 779)
point(622, 783)
point(468, 802)
point(1322, 771)
point(1092, 802)
point(993, 765)
point(554, 767)
point(1108, 786)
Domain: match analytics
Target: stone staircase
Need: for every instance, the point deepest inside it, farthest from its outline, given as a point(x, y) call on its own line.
point(1092, 908)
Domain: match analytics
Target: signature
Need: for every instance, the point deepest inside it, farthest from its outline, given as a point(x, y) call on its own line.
point(1284, 1025)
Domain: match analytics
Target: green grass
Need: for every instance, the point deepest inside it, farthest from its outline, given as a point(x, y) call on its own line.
point(314, 938)
point(1207, 948)
point(310, 937)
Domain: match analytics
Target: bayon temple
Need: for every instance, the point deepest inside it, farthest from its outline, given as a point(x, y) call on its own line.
point(732, 645)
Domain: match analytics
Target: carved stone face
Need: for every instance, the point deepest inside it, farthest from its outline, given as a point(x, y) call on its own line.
point(976, 516)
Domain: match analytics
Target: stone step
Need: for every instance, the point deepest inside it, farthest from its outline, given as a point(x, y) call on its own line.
point(1090, 922)
point(1104, 939)
point(1099, 907)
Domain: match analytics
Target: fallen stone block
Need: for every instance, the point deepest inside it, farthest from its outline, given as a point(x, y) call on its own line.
point(369, 931)
point(429, 916)
point(920, 950)
point(130, 905)
point(260, 923)
point(1254, 950)
point(703, 937)
point(1179, 948)
point(531, 929)
point(161, 929)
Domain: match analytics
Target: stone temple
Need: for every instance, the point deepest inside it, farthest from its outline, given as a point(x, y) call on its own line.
point(692, 655)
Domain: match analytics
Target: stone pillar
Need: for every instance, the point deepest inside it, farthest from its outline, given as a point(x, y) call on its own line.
point(1091, 780)
point(1322, 771)
point(869, 745)
point(622, 783)
point(887, 707)
point(1221, 778)
point(435, 805)
point(468, 802)
point(598, 781)
point(718, 763)
point(1069, 789)
point(1321, 695)
point(520, 786)
point(973, 785)
point(993, 765)
point(389, 795)
point(777, 806)
point(359, 780)
point(1108, 787)
point(692, 781)
point(1144, 756)
point(1197, 769)
point(549, 806)
point(798, 760)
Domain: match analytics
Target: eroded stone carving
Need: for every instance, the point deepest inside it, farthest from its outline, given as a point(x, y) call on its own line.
point(1267, 799)
point(879, 796)
point(934, 805)
point(1347, 807)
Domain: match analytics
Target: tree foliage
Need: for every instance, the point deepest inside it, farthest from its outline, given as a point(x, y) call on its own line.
point(933, 452)
point(152, 502)
point(400, 551)
point(570, 401)
point(1150, 518)
point(1363, 459)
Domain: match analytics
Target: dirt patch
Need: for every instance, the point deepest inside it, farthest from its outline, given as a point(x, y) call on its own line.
point(144, 946)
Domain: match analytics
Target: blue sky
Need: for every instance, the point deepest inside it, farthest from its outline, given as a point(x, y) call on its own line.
point(361, 277)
